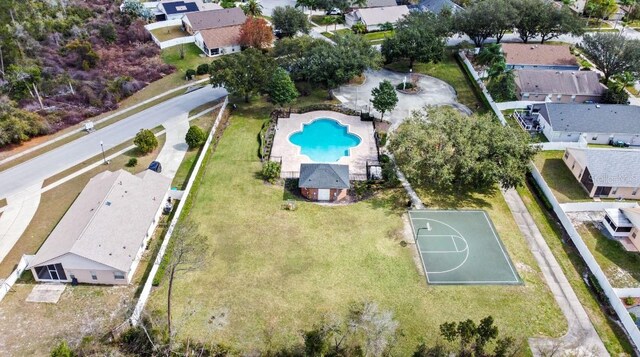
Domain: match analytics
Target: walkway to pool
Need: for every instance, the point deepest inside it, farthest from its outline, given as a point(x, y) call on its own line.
point(290, 153)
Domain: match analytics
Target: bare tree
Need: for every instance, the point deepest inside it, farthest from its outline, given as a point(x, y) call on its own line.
point(377, 328)
point(188, 251)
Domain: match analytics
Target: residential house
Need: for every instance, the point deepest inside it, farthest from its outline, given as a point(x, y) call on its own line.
point(539, 57)
point(375, 3)
point(559, 86)
point(103, 235)
point(216, 32)
point(604, 172)
point(174, 10)
point(596, 123)
point(436, 6)
point(374, 17)
point(324, 182)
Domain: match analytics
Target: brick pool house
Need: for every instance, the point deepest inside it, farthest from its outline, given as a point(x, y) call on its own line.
point(324, 182)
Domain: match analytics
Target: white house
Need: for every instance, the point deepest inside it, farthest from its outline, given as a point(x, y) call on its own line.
point(103, 235)
point(597, 123)
point(374, 17)
point(624, 223)
point(216, 32)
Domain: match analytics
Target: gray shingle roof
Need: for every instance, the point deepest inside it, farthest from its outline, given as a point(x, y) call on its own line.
point(376, 3)
point(380, 15)
point(592, 118)
point(109, 220)
point(610, 167)
point(436, 6)
point(559, 82)
point(324, 176)
point(213, 19)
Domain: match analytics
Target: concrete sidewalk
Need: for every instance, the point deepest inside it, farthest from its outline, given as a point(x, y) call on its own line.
point(16, 217)
point(581, 338)
point(175, 146)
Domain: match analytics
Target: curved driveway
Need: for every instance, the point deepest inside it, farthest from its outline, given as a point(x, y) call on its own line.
point(36, 170)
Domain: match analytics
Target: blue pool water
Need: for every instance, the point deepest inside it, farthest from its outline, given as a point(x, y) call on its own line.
point(324, 140)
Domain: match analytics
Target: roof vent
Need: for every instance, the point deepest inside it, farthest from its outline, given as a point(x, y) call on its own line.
point(108, 203)
point(597, 105)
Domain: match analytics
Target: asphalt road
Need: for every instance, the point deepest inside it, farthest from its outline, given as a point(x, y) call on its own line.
point(50, 163)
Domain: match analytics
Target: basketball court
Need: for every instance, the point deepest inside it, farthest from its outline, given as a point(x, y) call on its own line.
point(461, 247)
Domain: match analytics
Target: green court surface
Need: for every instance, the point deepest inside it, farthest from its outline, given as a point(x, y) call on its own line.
point(461, 247)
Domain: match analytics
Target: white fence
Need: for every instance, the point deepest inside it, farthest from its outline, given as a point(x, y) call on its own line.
point(626, 320)
point(594, 206)
point(627, 292)
point(161, 24)
point(485, 93)
point(146, 290)
point(8, 283)
point(561, 145)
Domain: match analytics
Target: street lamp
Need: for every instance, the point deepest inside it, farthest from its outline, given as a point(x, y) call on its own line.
point(104, 159)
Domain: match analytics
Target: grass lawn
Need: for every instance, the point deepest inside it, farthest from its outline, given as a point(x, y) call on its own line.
point(573, 266)
point(621, 267)
point(450, 71)
point(169, 33)
point(633, 91)
point(275, 272)
point(559, 178)
point(55, 202)
point(193, 57)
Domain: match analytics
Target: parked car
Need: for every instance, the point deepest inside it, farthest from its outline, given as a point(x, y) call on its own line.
point(155, 166)
point(334, 11)
point(618, 144)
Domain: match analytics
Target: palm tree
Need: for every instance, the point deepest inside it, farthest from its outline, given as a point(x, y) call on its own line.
point(490, 54)
point(252, 8)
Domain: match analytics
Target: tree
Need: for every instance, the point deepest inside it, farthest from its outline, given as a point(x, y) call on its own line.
point(252, 8)
point(289, 21)
point(376, 328)
point(557, 21)
point(329, 20)
point(446, 150)
point(384, 97)
point(86, 57)
point(291, 53)
point(146, 141)
point(256, 33)
point(473, 339)
point(244, 74)
point(547, 21)
point(417, 38)
point(195, 137)
point(136, 9)
point(359, 28)
point(188, 251)
point(202, 69)
point(281, 88)
point(308, 4)
point(490, 54)
point(486, 19)
point(387, 26)
point(271, 171)
point(612, 54)
point(335, 65)
point(614, 95)
point(601, 9)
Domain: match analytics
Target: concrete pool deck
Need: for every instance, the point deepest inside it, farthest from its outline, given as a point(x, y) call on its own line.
point(292, 158)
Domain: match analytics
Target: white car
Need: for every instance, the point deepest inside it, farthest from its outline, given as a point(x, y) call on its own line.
point(334, 11)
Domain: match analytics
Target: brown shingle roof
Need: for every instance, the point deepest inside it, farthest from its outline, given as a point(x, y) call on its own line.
point(559, 82)
point(221, 37)
point(520, 53)
point(211, 19)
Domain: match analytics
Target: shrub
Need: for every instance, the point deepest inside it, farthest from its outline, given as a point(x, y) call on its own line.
point(62, 350)
point(405, 86)
point(271, 171)
point(132, 162)
point(382, 138)
point(633, 316)
point(629, 301)
point(361, 189)
point(146, 141)
point(615, 96)
point(135, 341)
point(190, 74)
point(195, 137)
point(202, 69)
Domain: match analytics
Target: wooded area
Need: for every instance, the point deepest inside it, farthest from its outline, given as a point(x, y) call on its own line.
point(62, 61)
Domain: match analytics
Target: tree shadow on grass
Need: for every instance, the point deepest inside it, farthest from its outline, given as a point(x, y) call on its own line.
point(433, 198)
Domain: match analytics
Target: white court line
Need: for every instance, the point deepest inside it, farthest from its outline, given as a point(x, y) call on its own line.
point(495, 236)
point(454, 268)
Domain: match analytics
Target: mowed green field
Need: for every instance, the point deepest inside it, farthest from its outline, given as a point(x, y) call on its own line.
point(274, 273)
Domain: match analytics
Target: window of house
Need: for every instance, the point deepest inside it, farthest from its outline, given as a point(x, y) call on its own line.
point(566, 155)
point(614, 190)
point(580, 176)
point(93, 275)
point(635, 191)
point(118, 275)
point(51, 272)
point(613, 226)
point(525, 95)
point(623, 229)
point(572, 166)
point(595, 137)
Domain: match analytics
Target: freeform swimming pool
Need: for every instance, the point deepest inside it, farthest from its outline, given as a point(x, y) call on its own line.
point(324, 140)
